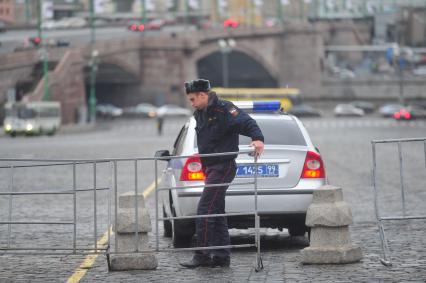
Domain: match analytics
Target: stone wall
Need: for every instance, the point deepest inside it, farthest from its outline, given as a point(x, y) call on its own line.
point(372, 88)
point(301, 67)
point(66, 84)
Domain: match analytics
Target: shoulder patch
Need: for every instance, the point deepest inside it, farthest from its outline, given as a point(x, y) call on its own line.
point(218, 110)
point(234, 112)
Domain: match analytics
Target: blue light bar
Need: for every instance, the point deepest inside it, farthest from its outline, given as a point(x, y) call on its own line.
point(266, 106)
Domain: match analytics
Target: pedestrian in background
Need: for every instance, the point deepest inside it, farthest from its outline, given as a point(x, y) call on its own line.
point(160, 122)
point(219, 124)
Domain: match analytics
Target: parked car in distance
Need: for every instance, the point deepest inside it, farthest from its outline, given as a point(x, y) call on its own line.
point(108, 111)
point(304, 110)
point(230, 23)
point(72, 22)
point(135, 26)
point(367, 106)
point(388, 110)
point(64, 23)
point(347, 110)
point(23, 48)
point(173, 110)
point(420, 71)
point(156, 24)
point(145, 110)
point(49, 24)
point(2, 26)
point(410, 112)
point(289, 171)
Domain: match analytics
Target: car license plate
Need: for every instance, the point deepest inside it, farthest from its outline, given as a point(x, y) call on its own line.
point(263, 170)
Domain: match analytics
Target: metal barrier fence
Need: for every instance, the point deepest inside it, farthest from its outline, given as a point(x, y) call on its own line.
point(105, 249)
point(386, 260)
point(73, 191)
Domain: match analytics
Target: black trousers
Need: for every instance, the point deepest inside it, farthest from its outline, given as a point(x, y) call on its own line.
point(213, 231)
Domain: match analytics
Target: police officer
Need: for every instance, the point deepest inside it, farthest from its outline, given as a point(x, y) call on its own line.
point(219, 123)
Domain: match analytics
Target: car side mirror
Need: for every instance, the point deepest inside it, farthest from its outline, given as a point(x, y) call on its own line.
point(162, 153)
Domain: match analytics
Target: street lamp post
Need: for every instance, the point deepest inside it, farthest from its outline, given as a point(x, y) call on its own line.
point(93, 67)
point(186, 9)
point(92, 97)
point(399, 66)
point(43, 51)
point(226, 46)
point(401, 84)
point(27, 12)
point(280, 11)
point(143, 12)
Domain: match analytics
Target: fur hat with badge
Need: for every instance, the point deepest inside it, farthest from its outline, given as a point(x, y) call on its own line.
point(200, 85)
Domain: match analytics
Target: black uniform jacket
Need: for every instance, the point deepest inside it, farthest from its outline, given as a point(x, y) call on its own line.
point(218, 128)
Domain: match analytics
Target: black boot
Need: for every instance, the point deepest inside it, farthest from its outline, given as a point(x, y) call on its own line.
point(221, 261)
point(197, 261)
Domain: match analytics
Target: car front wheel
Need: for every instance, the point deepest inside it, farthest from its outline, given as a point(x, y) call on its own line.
point(168, 231)
point(297, 230)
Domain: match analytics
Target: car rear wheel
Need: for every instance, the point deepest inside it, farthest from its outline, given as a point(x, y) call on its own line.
point(168, 231)
point(182, 232)
point(297, 230)
point(182, 235)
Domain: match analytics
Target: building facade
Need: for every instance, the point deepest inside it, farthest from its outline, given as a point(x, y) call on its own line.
point(7, 11)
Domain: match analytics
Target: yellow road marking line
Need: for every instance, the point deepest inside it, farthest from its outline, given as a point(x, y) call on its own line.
point(149, 189)
point(90, 259)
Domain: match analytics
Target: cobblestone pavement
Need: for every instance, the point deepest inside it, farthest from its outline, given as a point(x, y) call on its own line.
point(346, 150)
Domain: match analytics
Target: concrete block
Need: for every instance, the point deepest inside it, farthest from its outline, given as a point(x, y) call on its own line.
point(330, 236)
point(127, 200)
point(329, 218)
point(330, 255)
point(327, 194)
point(123, 262)
point(329, 214)
point(126, 221)
point(126, 242)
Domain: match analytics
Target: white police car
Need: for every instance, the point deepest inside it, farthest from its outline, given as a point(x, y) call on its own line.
point(288, 171)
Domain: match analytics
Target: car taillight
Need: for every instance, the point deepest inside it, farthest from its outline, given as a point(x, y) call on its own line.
point(192, 170)
point(313, 167)
point(397, 115)
point(406, 114)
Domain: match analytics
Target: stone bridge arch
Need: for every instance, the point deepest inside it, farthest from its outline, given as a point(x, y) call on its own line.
point(212, 49)
point(117, 80)
point(128, 64)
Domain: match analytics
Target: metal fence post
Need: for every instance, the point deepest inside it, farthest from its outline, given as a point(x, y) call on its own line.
point(109, 204)
point(383, 241)
point(94, 209)
point(259, 264)
point(9, 226)
point(115, 204)
point(136, 207)
point(425, 151)
point(74, 185)
point(157, 243)
point(401, 176)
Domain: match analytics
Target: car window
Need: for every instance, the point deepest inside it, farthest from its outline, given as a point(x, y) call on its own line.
point(178, 145)
point(279, 132)
point(276, 132)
